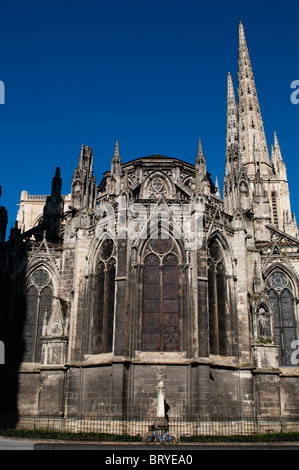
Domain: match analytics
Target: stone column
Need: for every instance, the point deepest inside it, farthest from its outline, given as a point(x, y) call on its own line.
point(161, 420)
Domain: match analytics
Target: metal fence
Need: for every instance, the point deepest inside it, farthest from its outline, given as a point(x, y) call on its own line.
point(138, 427)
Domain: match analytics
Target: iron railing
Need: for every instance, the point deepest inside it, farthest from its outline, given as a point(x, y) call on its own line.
point(138, 426)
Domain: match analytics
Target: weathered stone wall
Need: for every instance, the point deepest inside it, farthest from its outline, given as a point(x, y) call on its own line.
point(268, 395)
point(28, 393)
point(224, 397)
point(144, 397)
point(51, 392)
point(289, 396)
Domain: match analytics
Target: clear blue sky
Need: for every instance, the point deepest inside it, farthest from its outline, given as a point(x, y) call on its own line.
point(151, 74)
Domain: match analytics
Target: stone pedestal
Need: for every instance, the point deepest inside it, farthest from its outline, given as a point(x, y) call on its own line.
point(160, 421)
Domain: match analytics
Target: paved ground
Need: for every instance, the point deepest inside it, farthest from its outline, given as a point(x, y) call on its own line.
point(14, 444)
point(109, 448)
point(164, 450)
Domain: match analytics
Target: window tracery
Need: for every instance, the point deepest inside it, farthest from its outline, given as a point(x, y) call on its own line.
point(157, 188)
point(281, 297)
point(217, 299)
point(39, 299)
point(161, 297)
point(104, 295)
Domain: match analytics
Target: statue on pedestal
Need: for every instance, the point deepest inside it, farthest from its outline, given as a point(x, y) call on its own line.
point(161, 420)
point(161, 395)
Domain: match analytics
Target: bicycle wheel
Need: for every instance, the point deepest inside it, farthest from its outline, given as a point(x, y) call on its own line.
point(170, 439)
point(149, 438)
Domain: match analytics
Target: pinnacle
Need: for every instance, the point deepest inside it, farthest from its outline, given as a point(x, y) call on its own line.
point(230, 88)
point(242, 39)
point(232, 114)
point(200, 154)
point(277, 147)
point(276, 144)
point(116, 150)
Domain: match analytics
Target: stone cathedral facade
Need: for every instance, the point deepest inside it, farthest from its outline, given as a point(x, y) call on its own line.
point(93, 302)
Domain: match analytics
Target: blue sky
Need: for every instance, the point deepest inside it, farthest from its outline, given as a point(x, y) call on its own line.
point(151, 74)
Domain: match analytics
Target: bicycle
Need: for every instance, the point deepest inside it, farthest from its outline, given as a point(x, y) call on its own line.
point(153, 437)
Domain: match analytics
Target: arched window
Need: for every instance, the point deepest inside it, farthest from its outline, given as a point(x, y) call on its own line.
point(217, 299)
point(161, 297)
point(39, 296)
point(281, 296)
point(104, 294)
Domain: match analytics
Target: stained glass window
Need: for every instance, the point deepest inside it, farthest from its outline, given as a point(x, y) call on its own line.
point(281, 298)
point(104, 297)
point(39, 295)
point(217, 300)
point(161, 298)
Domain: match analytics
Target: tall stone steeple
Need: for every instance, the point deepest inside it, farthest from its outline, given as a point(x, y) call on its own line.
point(232, 150)
point(232, 116)
point(252, 140)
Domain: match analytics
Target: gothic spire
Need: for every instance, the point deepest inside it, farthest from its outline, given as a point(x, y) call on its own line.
point(251, 129)
point(277, 160)
point(116, 150)
point(53, 211)
point(200, 158)
point(277, 147)
point(200, 164)
point(56, 184)
point(232, 114)
point(83, 182)
point(231, 127)
point(116, 161)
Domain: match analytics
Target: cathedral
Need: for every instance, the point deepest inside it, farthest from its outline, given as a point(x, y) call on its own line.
point(151, 271)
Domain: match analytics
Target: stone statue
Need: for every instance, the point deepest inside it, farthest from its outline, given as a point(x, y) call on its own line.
point(161, 395)
point(263, 322)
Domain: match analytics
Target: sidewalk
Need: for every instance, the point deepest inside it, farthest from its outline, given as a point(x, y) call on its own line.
point(7, 443)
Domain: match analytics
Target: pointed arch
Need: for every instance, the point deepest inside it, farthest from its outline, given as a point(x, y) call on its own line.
point(39, 293)
point(281, 293)
point(161, 296)
point(157, 184)
point(103, 297)
point(226, 250)
point(219, 300)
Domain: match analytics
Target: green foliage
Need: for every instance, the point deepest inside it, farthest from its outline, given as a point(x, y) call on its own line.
point(68, 436)
point(273, 437)
point(97, 437)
